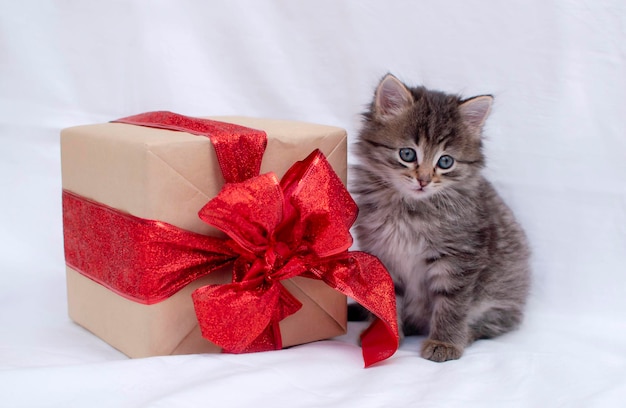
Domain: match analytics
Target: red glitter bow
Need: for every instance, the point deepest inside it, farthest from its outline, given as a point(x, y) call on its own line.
point(277, 230)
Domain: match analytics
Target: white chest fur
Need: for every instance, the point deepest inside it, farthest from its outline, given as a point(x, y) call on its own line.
point(399, 241)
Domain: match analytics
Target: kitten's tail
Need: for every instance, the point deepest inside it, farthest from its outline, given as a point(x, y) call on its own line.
point(357, 313)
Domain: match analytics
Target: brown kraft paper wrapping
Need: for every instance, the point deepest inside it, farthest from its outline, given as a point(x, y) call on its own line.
point(168, 176)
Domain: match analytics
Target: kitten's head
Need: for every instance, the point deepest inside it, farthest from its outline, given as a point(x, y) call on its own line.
point(422, 142)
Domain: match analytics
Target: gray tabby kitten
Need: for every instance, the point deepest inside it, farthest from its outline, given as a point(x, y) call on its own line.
point(458, 258)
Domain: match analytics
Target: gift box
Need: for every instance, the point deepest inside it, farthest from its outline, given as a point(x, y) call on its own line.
point(177, 243)
point(167, 175)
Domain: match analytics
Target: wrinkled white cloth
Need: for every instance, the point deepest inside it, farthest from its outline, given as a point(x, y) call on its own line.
point(556, 145)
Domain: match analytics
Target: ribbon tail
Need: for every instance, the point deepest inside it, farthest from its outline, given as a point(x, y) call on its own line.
point(364, 278)
point(378, 342)
point(271, 338)
point(243, 317)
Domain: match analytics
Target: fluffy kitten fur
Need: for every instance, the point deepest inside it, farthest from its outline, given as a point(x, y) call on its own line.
point(458, 258)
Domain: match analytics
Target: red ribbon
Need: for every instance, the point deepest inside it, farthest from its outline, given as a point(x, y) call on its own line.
point(276, 230)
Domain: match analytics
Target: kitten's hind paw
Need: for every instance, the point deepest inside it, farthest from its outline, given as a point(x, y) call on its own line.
point(439, 351)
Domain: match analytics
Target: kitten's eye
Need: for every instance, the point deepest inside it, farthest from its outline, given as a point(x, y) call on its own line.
point(445, 162)
point(408, 155)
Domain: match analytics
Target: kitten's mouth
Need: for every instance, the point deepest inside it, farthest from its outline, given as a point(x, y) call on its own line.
point(414, 190)
point(420, 192)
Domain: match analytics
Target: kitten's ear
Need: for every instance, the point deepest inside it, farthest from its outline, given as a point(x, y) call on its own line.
point(474, 111)
point(391, 98)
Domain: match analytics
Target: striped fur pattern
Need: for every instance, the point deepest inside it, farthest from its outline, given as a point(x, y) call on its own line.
point(458, 257)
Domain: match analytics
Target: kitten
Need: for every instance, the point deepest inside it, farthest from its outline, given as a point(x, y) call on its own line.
point(458, 258)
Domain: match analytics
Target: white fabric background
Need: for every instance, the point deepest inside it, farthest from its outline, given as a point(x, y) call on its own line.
point(556, 142)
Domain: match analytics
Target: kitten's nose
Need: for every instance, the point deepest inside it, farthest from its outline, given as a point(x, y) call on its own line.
point(423, 181)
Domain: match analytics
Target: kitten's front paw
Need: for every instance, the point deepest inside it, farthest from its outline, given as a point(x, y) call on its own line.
point(439, 351)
